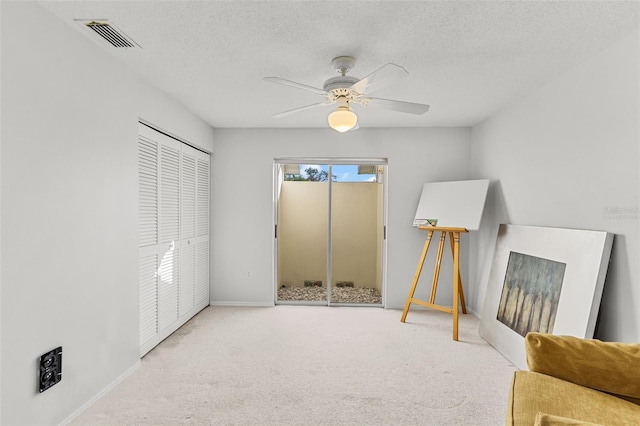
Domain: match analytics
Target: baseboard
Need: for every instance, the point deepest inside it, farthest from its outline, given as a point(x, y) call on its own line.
point(248, 304)
point(473, 312)
point(100, 394)
point(394, 307)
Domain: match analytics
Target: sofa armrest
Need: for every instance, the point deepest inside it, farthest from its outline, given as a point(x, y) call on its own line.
point(605, 366)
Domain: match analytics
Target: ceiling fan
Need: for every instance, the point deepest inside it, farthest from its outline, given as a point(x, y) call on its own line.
point(346, 90)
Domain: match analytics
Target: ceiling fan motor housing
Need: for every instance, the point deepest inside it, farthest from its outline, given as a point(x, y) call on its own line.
point(339, 82)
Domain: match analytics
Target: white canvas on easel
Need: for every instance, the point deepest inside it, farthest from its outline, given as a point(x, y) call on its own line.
point(452, 204)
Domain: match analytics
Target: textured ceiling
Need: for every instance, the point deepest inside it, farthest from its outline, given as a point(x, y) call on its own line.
point(467, 59)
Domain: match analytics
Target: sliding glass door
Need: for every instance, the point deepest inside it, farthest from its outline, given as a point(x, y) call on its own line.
point(357, 229)
point(302, 228)
point(329, 232)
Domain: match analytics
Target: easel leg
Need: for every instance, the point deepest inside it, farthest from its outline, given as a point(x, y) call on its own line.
point(456, 282)
point(464, 306)
point(416, 276)
point(436, 271)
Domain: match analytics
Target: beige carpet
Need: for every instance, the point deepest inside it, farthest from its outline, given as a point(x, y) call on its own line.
point(304, 365)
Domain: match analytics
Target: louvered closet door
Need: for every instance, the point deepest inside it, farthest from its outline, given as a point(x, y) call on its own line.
point(148, 237)
point(169, 271)
point(202, 229)
point(194, 277)
point(188, 243)
point(173, 234)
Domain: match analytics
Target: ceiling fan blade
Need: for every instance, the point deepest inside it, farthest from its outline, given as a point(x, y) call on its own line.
point(410, 107)
point(304, 108)
point(294, 84)
point(379, 78)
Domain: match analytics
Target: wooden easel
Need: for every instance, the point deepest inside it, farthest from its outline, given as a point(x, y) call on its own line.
point(458, 294)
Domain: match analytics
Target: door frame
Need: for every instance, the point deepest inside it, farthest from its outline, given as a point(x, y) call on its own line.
point(278, 178)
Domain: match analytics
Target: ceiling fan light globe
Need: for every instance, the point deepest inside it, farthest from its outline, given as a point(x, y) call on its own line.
point(342, 120)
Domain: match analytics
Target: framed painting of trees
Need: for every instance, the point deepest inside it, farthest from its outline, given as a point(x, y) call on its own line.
point(548, 280)
point(530, 293)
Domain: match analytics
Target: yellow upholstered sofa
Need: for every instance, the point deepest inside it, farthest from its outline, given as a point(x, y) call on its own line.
point(576, 382)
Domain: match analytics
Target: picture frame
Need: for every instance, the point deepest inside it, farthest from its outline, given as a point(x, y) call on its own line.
point(543, 279)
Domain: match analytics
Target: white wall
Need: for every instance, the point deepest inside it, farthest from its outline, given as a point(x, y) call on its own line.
point(564, 154)
point(242, 194)
point(69, 210)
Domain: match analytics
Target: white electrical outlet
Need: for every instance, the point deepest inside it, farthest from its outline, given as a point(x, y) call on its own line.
point(248, 274)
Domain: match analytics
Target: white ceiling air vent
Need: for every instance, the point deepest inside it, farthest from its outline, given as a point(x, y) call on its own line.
point(110, 33)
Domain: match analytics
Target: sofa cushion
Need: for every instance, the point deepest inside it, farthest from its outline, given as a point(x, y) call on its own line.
point(605, 366)
point(534, 392)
